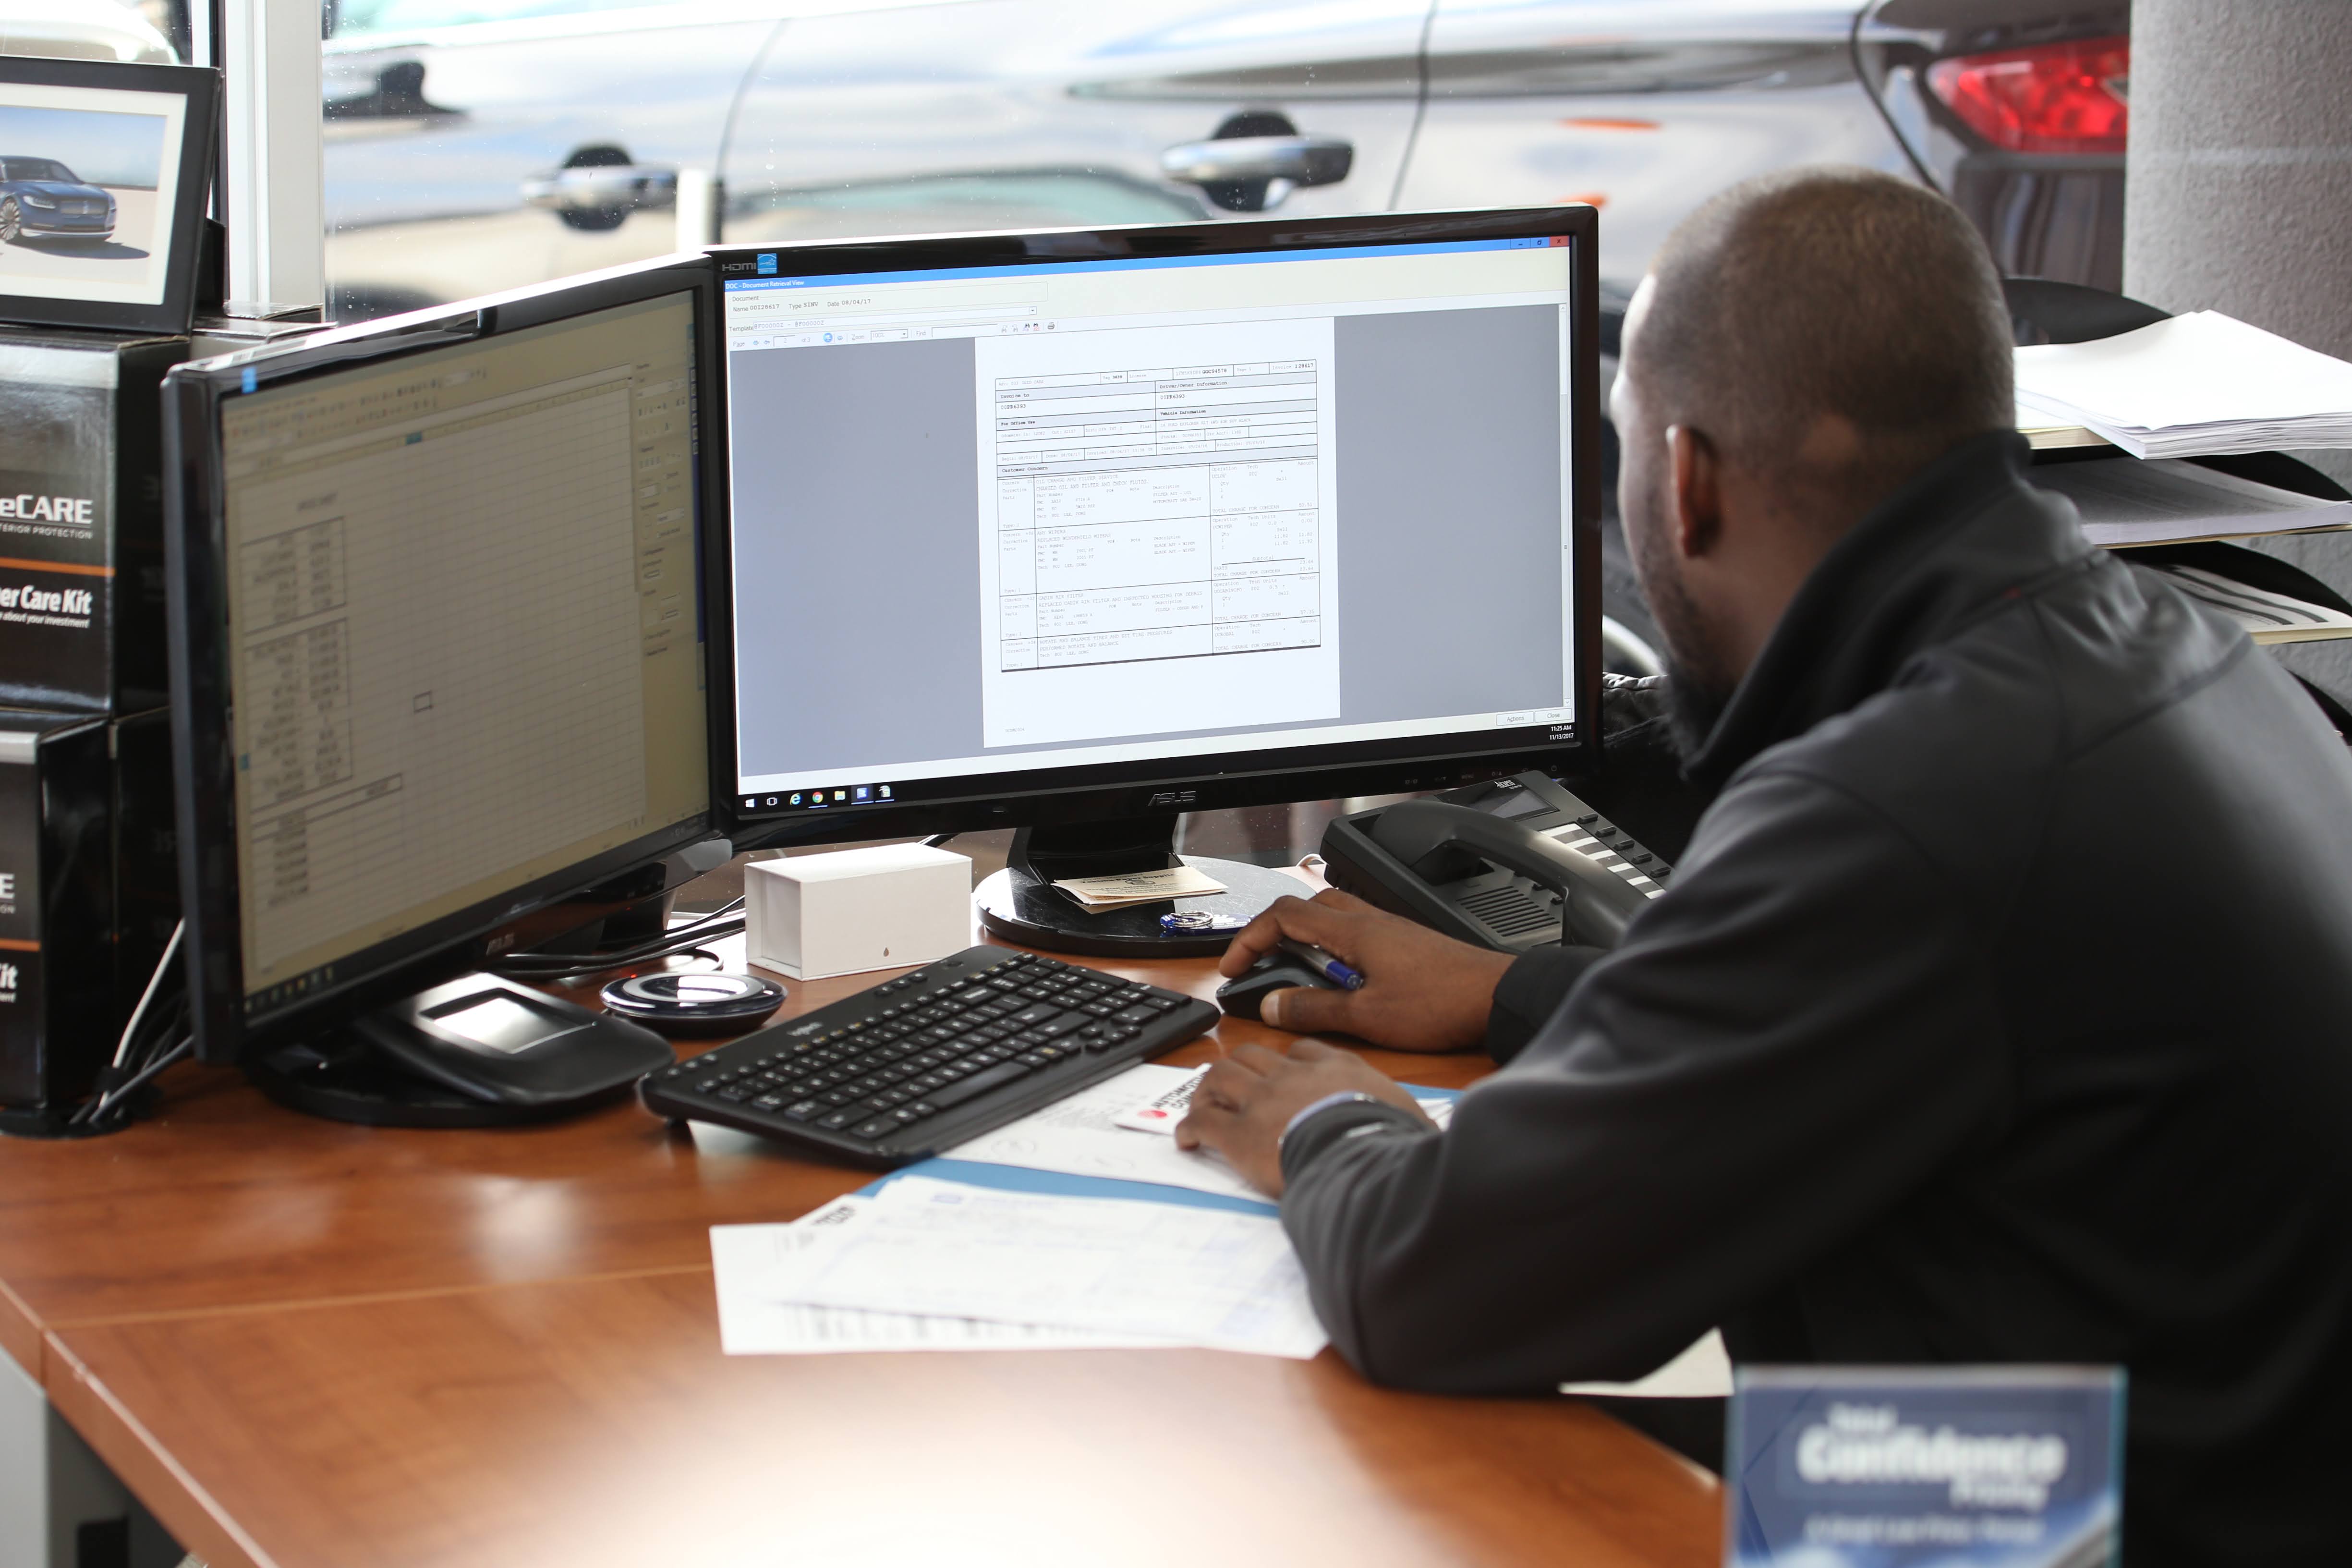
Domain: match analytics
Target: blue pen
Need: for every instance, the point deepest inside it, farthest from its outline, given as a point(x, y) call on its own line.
point(1324, 965)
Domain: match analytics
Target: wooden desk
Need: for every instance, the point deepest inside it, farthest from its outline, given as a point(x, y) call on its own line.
point(307, 1343)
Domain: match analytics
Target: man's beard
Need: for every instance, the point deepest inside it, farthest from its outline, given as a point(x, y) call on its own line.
point(1695, 700)
point(1693, 707)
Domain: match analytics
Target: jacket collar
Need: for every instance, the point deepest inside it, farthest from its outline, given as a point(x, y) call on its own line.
point(1962, 534)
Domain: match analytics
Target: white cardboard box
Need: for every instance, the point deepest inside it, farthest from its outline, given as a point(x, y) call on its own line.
point(809, 916)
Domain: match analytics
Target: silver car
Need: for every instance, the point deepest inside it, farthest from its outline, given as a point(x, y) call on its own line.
point(475, 145)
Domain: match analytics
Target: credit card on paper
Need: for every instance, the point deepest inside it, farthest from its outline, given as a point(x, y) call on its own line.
point(1162, 1113)
point(1165, 1110)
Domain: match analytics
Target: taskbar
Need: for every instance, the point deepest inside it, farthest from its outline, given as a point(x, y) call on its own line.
point(1467, 749)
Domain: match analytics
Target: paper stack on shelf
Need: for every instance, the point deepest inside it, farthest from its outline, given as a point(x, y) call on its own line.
point(976, 1266)
point(2268, 616)
point(2195, 385)
point(2044, 431)
point(2168, 500)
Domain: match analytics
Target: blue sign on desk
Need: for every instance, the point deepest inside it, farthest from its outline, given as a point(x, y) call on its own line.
point(1890, 1466)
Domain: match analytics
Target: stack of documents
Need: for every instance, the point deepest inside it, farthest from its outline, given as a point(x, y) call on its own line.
point(2170, 502)
point(932, 1265)
point(2196, 385)
point(2268, 616)
point(1096, 894)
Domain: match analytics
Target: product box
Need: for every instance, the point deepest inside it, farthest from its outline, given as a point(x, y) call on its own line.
point(1890, 1466)
point(81, 518)
point(89, 895)
point(808, 915)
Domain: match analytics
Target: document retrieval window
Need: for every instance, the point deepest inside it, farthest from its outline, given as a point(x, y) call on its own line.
point(1099, 511)
point(462, 626)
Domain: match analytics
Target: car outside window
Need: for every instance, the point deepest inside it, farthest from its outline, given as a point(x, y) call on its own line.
point(361, 18)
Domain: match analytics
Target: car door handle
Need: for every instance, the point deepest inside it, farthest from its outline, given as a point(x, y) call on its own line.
point(611, 188)
point(1301, 160)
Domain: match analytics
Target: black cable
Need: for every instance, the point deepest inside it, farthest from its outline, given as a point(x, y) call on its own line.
point(106, 1102)
point(938, 840)
point(715, 923)
point(683, 935)
point(721, 921)
point(606, 961)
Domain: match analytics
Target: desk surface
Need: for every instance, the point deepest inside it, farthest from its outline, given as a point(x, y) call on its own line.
point(303, 1342)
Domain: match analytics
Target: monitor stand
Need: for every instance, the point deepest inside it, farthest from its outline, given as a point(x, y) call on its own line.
point(475, 1051)
point(1021, 905)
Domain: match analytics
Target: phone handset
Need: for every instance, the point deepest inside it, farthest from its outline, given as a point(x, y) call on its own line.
point(1430, 837)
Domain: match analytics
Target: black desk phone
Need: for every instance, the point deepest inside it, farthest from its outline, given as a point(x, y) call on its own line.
point(1512, 864)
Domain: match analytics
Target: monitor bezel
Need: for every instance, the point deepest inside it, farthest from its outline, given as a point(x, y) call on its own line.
point(204, 762)
point(1166, 786)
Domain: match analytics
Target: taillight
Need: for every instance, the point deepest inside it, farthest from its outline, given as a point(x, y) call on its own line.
point(2052, 98)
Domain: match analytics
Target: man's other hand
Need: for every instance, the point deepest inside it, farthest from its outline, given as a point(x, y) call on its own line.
point(1245, 1101)
point(1422, 991)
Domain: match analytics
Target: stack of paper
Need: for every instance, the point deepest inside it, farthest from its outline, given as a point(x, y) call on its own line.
point(1099, 893)
point(2195, 385)
point(932, 1264)
point(2170, 502)
point(2267, 615)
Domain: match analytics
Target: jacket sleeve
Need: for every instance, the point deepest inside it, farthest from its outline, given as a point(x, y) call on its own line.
point(1789, 1042)
point(1530, 991)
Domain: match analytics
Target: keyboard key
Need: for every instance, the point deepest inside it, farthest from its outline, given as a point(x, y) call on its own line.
point(1139, 1013)
point(875, 1128)
point(1037, 1014)
point(978, 1084)
point(805, 1111)
point(836, 1121)
point(1062, 1026)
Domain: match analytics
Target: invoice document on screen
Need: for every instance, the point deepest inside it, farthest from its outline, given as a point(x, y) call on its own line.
point(1160, 530)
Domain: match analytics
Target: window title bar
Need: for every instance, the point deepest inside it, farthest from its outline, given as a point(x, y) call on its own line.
point(767, 262)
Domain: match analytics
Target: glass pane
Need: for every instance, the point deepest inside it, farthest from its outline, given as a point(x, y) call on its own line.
point(481, 145)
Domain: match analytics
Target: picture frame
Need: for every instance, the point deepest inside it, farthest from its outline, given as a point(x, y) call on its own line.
point(105, 173)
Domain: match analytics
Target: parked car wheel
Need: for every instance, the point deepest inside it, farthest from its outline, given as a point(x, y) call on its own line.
point(12, 224)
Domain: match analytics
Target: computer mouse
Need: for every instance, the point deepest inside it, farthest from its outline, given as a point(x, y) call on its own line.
point(1240, 995)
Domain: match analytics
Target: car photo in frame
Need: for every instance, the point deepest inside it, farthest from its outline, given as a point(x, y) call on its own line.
point(104, 169)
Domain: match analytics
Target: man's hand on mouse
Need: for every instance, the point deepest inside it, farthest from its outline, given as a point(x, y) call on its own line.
point(1422, 991)
point(1244, 1102)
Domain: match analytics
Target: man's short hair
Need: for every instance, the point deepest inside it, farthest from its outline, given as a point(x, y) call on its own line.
point(1828, 290)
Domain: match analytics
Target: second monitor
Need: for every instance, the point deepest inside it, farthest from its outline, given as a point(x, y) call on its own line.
point(1090, 528)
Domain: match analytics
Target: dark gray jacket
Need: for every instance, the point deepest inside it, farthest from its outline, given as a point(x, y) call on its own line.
point(2000, 1011)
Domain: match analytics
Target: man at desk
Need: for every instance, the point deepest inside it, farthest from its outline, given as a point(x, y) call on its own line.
point(2001, 1007)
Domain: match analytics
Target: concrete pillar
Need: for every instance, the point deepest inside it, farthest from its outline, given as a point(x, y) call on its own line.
point(2238, 198)
point(2238, 179)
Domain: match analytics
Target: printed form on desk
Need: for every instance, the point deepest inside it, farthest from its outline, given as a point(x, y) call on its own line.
point(1099, 1271)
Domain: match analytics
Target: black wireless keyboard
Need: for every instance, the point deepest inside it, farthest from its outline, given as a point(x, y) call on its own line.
point(923, 1062)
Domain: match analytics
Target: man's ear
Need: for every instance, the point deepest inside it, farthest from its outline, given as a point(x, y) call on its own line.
point(1697, 491)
